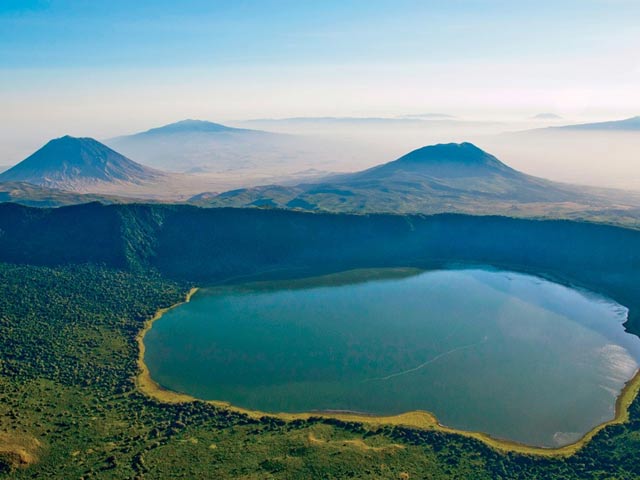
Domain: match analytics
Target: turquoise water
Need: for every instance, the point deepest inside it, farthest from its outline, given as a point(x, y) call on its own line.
point(512, 355)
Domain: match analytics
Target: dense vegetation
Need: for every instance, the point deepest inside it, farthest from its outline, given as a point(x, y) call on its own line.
point(68, 403)
point(213, 245)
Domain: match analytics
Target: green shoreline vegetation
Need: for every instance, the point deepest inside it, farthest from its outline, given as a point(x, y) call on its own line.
point(415, 419)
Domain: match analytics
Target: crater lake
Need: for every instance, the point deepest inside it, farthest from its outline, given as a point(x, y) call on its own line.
point(515, 356)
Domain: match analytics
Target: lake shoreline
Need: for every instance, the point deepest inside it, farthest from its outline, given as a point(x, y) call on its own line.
point(415, 419)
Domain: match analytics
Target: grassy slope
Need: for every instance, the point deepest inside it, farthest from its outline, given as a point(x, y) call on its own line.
point(73, 411)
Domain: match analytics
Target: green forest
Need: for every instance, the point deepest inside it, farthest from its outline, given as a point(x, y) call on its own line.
point(69, 317)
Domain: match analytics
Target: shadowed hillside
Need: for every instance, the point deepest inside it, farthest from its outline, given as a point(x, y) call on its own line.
point(214, 245)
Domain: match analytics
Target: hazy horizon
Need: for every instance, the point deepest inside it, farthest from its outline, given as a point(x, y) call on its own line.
point(105, 70)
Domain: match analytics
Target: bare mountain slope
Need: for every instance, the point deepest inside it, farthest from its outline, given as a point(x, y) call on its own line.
point(80, 165)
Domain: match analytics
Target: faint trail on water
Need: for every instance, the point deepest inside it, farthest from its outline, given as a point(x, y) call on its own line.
point(430, 361)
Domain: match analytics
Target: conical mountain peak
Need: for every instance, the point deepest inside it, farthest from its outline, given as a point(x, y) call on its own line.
point(73, 162)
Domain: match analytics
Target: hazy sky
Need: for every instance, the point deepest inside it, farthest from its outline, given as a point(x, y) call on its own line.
point(102, 68)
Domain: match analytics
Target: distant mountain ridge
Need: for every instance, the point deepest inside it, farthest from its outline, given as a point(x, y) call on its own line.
point(77, 164)
point(546, 116)
point(192, 126)
point(452, 177)
point(200, 146)
point(429, 116)
point(439, 178)
point(442, 160)
point(627, 124)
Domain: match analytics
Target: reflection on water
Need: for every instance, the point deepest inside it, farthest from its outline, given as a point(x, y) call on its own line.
point(512, 355)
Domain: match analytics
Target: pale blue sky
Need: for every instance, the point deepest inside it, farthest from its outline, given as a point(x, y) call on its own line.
point(112, 66)
point(125, 34)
